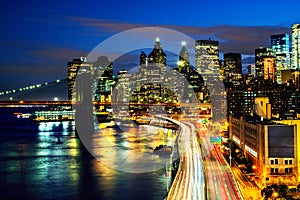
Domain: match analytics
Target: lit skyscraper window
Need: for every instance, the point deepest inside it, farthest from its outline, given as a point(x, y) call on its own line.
point(207, 58)
point(296, 46)
point(280, 44)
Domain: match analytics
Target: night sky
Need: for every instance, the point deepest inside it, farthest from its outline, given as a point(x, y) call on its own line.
point(38, 38)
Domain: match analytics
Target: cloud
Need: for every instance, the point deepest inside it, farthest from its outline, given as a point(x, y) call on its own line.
point(107, 25)
point(59, 53)
point(28, 63)
point(239, 39)
point(14, 76)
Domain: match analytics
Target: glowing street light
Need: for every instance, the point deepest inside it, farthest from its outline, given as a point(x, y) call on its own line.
point(275, 194)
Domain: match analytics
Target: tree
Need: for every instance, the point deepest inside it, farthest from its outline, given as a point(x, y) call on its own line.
point(267, 192)
point(280, 190)
point(283, 190)
point(298, 187)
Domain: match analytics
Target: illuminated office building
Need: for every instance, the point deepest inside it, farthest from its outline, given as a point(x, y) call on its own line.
point(269, 69)
point(207, 60)
point(104, 77)
point(100, 80)
point(83, 86)
point(251, 70)
point(192, 76)
point(271, 147)
point(233, 63)
point(73, 67)
point(148, 82)
point(281, 46)
point(103, 82)
point(183, 61)
point(208, 66)
point(157, 55)
point(143, 58)
point(233, 70)
point(123, 87)
point(295, 46)
point(265, 64)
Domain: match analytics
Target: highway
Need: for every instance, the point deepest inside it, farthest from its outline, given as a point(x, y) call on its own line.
point(189, 182)
point(202, 173)
point(221, 183)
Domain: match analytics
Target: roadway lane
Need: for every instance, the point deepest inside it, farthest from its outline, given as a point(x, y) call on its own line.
point(220, 180)
point(189, 182)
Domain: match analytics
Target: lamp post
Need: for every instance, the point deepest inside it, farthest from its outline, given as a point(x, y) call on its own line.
point(275, 195)
point(230, 157)
point(230, 150)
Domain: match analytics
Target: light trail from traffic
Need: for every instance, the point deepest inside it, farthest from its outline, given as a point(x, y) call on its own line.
point(189, 182)
point(220, 180)
point(203, 173)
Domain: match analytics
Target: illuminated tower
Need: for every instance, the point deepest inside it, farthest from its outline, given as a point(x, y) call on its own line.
point(207, 65)
point(233, 69)
point(295, 46)
point(207, 59)
point(73, 67)
point(281, 46)
point(157, 55)
point(183, 61)
point(104, 80)
point(153, 67)
point(233, 63)
point(143, 58)
point(265, 64)
point(192, 76)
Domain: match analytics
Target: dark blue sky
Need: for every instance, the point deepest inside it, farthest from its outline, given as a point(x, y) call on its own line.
point(38, 38)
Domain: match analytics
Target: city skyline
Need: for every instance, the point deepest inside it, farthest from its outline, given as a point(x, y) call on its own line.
point(40, 38)
point(96, 96)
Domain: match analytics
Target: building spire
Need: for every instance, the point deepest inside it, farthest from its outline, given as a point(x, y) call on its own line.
point(184, 54)
point(157, 55)
point(157, 39)
point(157, 44)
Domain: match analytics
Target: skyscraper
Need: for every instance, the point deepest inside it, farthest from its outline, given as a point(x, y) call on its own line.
point(183, 61)
point(104, 77)
point(207, 59)
point(73, 67)
point(233, 70)
point(281, 46)
point(192, 76)
point(207, 65)
point(143, 58)
point(153, 66)
point(265, 63)
point(295, 46)
point(157, 55)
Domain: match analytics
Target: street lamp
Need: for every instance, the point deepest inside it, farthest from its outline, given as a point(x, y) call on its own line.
point(275, 194)
point(230, 157)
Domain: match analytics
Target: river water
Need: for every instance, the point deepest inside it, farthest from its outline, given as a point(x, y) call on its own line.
point(47, 161)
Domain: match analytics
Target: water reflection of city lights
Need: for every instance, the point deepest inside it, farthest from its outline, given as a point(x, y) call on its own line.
point(73, 147)
point(126, 144)
point(65, 125)
point(42, 127)
point(47, 126)
point(43, 152)
point(44, 133)
point(54, 126)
